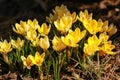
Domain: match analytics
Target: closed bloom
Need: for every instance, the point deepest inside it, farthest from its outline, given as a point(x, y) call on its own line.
point(44, 29)
point(64, 24)
point(44, 43)
point(73, 37)
point(5, 47)
point(111, 29)
point(58, 45)
point(17, 44)
point(27, 61)
point(92, 46)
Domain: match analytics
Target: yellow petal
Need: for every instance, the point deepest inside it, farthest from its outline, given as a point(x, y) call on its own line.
point(44, 43)
point(39, 58)
point(44, 29)
point(58, 45)
point(28, 62)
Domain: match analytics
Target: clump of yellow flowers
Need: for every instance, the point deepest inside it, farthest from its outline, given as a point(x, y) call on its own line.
point(61, 33)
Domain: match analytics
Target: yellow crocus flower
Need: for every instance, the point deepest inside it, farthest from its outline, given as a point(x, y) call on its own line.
point(105, 26)
point(58, 45)
point(31, 35)
point(93, 26)
point(20, 28)
point(92, 46)
point(84, 16)
point(35, 43)
point(73, 15)
point(44, 29)
point(17, 43)
point(5, 47)
point(64, 24)
point(73, 37)
point(27, 61)
point(111, 29)
point(94, 40)
point(32, 25)
point(24, 26)
point(44, 43)
point(59, 12)
point(52, 18)
point(38, 59)
point(89, 49)
point(107, 48)
point(103, 37)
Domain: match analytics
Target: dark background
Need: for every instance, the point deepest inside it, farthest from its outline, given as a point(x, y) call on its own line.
point(12, 11)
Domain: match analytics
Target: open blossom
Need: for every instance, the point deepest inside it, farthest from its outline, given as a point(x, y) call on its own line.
point(59, 12)
point(31, 35)
point(38, 59)
point(73, 15)
point(64, 24)
point(58, 45)
point(105, 26)
point(25, 26)
point(110, 29)
point(92, 45)
point(107, 48)
point(32, 25)
point(17, 44)
point(93, 26)
point(44, 29)
point(35, 43)
point(90, 24)
point(84, 16)
point(27, 61)
point(5, 46)
point(73, 37)
point(33, 60)
point(103, 37)
point(20, 28)
point(101, 44)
